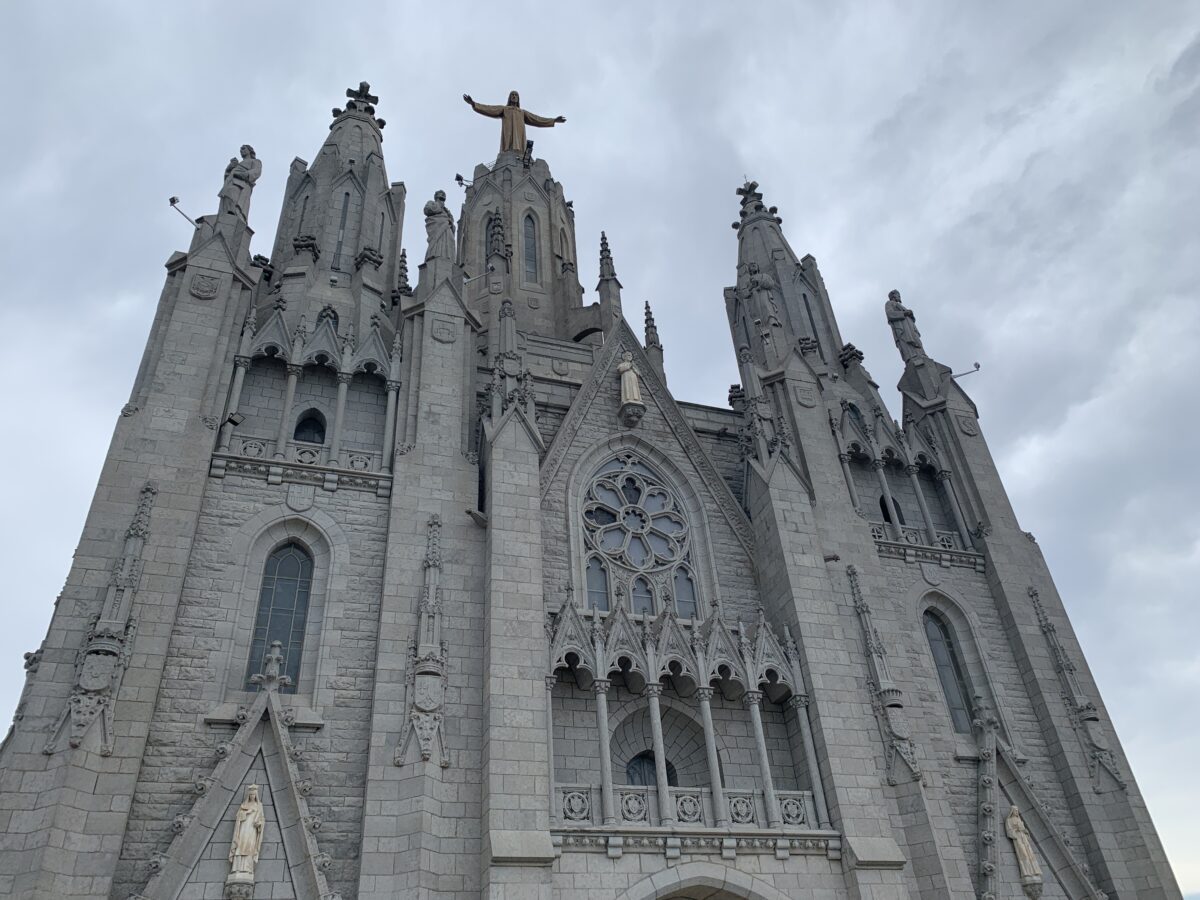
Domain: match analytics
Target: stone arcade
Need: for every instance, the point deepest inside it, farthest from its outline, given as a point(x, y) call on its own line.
point(438, 591)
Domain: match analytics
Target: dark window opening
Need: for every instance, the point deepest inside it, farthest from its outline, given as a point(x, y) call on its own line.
point(887, 515)
point(643, 599)
point(530, 242)
point(310, 428)
point(597, 585)
point(640, 771)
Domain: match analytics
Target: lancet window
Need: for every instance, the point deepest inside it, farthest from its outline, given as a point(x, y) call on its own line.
point(310, 428)
point(282, 610)
point(635, 526)
point(950, 670)
point(529, 242)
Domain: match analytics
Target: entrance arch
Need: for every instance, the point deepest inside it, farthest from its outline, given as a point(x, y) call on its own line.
point(702, 881)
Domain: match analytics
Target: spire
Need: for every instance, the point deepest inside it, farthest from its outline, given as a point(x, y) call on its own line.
point(654, 348)
point(779, 301)
point(609, 288)
point(361, 103)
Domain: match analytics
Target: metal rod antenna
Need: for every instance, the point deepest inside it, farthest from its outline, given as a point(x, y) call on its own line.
point(175, 206)
point(968, 372)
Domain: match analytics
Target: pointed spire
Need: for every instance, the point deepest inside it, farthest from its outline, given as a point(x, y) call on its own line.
point(360, 102)
point(609, 288)
point(651, 329)
point(403, 288)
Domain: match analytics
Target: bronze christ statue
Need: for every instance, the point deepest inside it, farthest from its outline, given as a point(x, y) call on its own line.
point(513, 119)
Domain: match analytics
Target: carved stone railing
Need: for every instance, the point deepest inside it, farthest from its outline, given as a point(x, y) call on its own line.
point(254, 457)
point(914, 546)
point(578, 806)
point(304, 453)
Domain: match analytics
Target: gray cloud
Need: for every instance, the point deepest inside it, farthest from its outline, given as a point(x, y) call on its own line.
point(1026, 176)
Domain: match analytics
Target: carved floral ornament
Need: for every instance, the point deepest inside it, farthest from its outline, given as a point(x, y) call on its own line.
point(633, 518)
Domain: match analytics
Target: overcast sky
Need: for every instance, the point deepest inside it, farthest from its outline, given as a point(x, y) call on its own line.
point(1025, 173)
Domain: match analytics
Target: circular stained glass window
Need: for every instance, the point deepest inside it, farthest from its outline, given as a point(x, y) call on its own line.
point(633, 518)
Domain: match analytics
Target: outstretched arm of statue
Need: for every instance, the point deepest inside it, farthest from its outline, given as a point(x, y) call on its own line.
point(541, 121)
point(483, 109)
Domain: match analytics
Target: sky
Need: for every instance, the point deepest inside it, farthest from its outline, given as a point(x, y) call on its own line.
point(1025, 173)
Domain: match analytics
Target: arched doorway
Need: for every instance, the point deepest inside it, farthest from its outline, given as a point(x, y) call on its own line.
point(703, 881)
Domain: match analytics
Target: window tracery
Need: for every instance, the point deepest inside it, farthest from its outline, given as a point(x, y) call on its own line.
point(947, 660)
point(282, 611)
point(635, 522)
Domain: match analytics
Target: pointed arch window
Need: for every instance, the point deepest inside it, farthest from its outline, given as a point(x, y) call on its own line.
point(642, 597)
point(597, 585)
point(950, 671)
point(310, 428)
point(341, 235)
point(685, 594)
point(640, 771)
point(529, 242)
point(282, 611)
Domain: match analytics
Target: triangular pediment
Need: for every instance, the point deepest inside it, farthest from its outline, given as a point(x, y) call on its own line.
point(597, 402)
point(273, 335)
point(372, 350)
point(322, 346)
point(260, 752)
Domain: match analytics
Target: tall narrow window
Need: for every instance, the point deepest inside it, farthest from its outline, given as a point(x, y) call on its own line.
point(685, 594)
point(303, 211)
point(282, 611)
point(597, 585)
point(530, 242)
point(949, 669)
point(337, 253)
point(643, 599)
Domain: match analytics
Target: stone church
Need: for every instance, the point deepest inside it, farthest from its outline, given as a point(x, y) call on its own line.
point(407, 576)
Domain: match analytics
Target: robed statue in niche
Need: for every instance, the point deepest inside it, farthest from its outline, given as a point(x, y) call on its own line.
point(513, 120)
point(1014, 827)
point(247, 837)
point(240, 176)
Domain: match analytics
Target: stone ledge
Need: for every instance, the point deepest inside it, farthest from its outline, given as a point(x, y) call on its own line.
point(520, 848)
point(674, 842)
point(962, 558)
point(277, 471)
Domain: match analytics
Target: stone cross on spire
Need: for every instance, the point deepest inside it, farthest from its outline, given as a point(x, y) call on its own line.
point(360, 100)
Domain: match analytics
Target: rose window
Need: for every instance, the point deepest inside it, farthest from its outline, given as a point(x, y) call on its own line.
point(632, 518)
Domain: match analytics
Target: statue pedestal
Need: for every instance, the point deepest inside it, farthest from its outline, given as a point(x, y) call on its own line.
point(239, 886)
point(631, 413)
point(1032, 886)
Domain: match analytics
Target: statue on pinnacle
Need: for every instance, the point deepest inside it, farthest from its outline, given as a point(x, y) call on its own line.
point(513, 120)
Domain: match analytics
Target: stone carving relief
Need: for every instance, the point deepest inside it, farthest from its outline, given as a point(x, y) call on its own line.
point(886, 699)
point(101, 662)
point(203, 287)
point(427, 656)
point(1084, 716)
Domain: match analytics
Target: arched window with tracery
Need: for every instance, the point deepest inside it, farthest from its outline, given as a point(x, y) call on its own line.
point(282, 611)
point(948, 661)
point(635, 521)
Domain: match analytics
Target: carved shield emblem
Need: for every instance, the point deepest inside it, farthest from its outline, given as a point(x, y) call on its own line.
point(203, 287)
point(806, 395)
point(97, 671)
point(427, 693)
point(444, 332)
point(968, 425)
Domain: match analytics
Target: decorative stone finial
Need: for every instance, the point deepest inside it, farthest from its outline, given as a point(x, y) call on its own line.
point(360, 100)
point(651, 329)
point(270, 678)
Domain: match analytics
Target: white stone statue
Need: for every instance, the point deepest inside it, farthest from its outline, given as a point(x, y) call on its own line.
point(1014, 827)
point(631, 390)
point(247, 838)
point(240, 176)
point(439, 228)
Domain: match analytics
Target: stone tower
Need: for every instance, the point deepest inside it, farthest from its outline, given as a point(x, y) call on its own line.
point(436, 591)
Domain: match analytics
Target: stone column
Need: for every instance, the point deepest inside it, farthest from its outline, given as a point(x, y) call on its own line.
point(607, 803)
point(878, 465)
point(285, 414)
point(799, 707)
point(339, 417)
point(240, 365)
point(666, 803)
point(389, 425)
point(945, 480)
point(844, 459)
point(720, 810)
point(753, 703)
point(551, 680)
point(930, 531)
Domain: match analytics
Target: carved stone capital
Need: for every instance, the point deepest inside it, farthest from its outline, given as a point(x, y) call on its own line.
point(551, 681)
point(798, 701)
point(704, 694)
point(242, 362)
point(943, 475)
point(654, 690)
point(294, 370)
point(601, 686)
point(911, 469)
point(877, 464)
point(393, 386)
point(752, 698)
point(345, 378)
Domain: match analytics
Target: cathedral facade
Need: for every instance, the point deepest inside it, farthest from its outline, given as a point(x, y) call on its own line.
point(416, 581)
